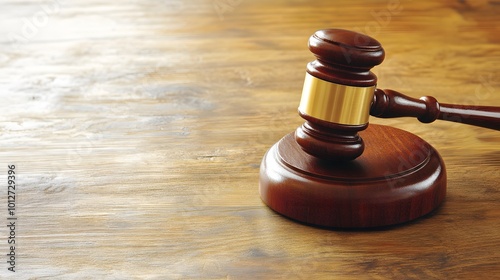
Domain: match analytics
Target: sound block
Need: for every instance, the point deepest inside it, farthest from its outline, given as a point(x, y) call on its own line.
point(398, 178)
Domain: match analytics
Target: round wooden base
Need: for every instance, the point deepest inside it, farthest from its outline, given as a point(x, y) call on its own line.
point(398, 178)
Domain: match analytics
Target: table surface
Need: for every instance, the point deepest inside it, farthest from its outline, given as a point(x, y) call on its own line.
point(137, 129)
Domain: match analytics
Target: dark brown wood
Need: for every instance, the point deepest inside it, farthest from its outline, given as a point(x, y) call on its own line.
point(390, 104)
point(344, 57)
point(330, 141)
point(321, 175)
point(398, 178)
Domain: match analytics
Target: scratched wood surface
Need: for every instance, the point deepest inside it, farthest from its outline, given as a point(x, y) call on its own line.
point(137, 129)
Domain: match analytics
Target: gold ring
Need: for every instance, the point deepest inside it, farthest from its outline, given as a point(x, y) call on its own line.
point(336, 103)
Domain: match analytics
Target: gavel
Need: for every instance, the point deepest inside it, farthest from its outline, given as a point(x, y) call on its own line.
point(340, 93)
point(322, 174)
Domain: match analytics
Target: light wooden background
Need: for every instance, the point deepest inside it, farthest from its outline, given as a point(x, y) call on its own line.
point(137, 130)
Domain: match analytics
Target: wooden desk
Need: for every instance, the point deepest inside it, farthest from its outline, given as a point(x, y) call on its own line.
point(137, 129)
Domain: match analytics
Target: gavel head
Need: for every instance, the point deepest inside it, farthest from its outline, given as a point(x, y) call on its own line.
point(337, 94)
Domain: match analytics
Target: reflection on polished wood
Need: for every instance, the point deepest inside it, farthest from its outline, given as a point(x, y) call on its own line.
point(137, 129)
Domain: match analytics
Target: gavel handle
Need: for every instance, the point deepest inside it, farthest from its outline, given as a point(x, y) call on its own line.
point(392, 104)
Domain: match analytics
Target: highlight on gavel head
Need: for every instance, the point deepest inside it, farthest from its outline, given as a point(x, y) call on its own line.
point(337, 94)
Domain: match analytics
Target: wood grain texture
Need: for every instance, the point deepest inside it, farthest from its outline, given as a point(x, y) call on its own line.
point(137, 129)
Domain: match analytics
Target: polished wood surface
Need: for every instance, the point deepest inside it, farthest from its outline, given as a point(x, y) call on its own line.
point(321, 175)
point(137, 129)
point(342, 58)
point(392, 104)
point(398, 178)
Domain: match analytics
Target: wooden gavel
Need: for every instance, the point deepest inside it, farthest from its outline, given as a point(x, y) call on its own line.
point(323, 175)
point(340, 93)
